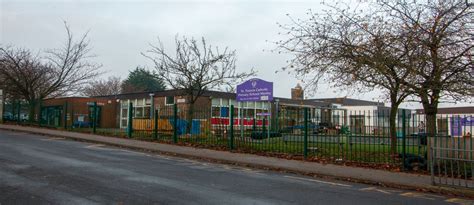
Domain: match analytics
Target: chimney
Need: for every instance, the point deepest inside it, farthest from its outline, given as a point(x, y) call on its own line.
point(297, 93)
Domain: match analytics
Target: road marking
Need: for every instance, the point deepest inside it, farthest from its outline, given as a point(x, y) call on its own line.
point(459, 201)
point(314, 180)
point(375, 189)
point(124, 150)
point(95, 145)
point(53, 138)
point(417, 195)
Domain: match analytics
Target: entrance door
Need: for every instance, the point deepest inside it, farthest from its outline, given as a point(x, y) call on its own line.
point(357, 124)
point(91, 115)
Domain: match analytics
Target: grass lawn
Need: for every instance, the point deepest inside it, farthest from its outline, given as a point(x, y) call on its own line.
point(347, 148)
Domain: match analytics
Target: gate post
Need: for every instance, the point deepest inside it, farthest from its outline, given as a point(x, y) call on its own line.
point(305, 150)
point(39, 112)
point(65, 115)
point(155, 127)
point(404, 138)
point(18, 112)
point(130, 123)
point(175, 123)
point(94, 121)
point(231, 132)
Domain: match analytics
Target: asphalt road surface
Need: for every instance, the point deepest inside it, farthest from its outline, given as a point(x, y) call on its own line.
point(47, 170)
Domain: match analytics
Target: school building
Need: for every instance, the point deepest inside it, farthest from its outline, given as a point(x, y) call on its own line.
point(214, 106)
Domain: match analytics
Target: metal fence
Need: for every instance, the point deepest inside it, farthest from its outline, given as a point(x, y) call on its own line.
point(353, 137)
point(452, 165)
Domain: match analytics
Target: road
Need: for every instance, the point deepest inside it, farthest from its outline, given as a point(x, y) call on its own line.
point(48, 170)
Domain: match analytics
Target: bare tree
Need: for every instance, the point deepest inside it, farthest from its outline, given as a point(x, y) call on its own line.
point(102, 87)
point(195, 67)
point(423, 48)
point(352, 51)
point(442, 45)
point(62, 71)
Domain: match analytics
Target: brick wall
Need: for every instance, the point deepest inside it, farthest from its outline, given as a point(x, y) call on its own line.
point(74, 108)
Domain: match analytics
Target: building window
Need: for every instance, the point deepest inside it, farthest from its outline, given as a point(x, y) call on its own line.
point(224, 112)
point(169, 100)
point(139, 112)
point(357, 123)
point(147, 112)
point(336, 120)
point(216, 112)
point(443, 126)
point(225, 102)
point(216, 102)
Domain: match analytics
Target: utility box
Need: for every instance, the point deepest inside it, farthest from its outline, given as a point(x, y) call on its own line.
point(2, 102)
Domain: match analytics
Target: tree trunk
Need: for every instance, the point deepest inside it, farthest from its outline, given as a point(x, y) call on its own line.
point(32, 110)
point(393, 129)
point(430, 112)
point(430, 109)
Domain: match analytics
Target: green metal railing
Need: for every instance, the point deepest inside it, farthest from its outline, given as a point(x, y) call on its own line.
point(353, 137)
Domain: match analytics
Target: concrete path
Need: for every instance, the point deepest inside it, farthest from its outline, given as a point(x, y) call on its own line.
point(371, 176)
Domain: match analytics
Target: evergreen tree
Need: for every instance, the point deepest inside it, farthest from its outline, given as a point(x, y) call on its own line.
point(142, 80)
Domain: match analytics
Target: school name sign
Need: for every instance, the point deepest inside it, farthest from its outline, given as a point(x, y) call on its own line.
point(255, 90)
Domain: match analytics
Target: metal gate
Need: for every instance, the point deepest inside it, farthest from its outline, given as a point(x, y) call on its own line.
point(452, 167)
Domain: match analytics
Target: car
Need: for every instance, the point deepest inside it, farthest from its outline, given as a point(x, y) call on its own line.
point(8, 116)
point(24, 117)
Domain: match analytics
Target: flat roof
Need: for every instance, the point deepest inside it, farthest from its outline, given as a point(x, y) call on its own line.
point(318, 102)
point(451, 110)
point(348, 101)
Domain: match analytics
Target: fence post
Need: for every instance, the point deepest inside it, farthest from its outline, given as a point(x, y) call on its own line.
point(18, 112)
point(404, 138)
point(39, 112)
point(65, 115)
point(155, 128)
point(305, 150)
point(231, 132)
point(254, 125)
point(175, 123)
point(94, 121)
point(130, 123)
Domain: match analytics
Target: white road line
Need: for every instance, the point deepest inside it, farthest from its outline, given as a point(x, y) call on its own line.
point(54, 138)
point(375, 189)
point(124, 150)
point(459, 201)
point(418, 195)
point(95, 145)
point(314, 180)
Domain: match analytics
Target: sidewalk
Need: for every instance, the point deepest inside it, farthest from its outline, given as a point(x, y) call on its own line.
point(364, 175)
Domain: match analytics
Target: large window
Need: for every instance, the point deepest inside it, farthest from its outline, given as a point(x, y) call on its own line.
point(141, 109)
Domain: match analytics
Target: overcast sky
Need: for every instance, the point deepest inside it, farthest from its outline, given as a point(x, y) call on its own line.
point(120, 30)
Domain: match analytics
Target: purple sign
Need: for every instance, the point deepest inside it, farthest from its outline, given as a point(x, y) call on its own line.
point(255, 90)
point(456, 126)
point(458, 122)
point(263, 114)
